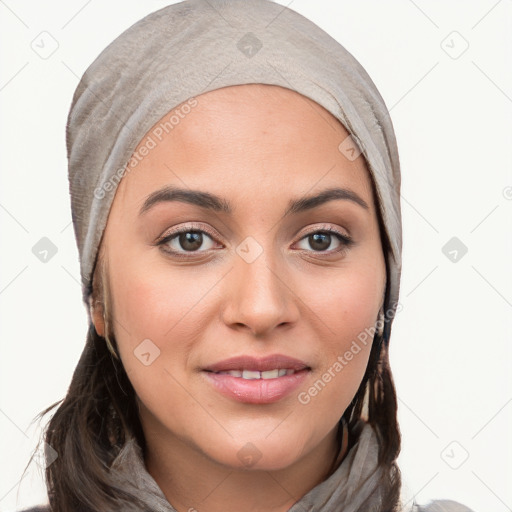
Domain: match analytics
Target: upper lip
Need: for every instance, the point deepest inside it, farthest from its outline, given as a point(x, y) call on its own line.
point(251, 363)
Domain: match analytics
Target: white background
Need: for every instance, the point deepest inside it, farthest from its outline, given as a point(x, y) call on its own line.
point(451, 343)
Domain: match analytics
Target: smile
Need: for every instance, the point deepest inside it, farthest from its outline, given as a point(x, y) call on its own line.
point(251, 379)
point(250, 374)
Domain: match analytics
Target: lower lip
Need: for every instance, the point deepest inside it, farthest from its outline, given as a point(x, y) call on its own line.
point(256, 391)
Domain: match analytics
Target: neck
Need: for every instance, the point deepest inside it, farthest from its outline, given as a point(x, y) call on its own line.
point(191, 481)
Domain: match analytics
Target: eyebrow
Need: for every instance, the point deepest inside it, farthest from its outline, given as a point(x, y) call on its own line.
point(217, 204)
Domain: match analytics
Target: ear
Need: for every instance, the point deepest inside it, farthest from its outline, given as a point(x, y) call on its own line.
point(96, 309)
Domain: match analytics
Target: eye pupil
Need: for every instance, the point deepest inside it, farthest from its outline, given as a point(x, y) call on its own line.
point(321, 241)
point(191, 240)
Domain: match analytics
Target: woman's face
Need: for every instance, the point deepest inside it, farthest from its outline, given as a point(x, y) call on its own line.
point(250, 276)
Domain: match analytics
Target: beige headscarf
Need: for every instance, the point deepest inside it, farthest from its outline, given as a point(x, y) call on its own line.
point(196, 46)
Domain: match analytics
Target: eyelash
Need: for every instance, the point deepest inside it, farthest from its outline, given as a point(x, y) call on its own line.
point(345, 240)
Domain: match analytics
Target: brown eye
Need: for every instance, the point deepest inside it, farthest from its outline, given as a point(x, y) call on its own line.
point(187, 240)
point(190, 240)
point(321, 241)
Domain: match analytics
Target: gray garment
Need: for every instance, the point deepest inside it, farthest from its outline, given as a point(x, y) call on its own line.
point(196, 46)
point(441, 506)
point(435, 506)
point(353, 487)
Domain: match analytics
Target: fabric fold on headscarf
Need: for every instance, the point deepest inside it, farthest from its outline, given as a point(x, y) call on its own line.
point(172, 56)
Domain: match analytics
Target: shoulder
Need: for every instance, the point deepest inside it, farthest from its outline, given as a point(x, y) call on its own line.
point(441, 506)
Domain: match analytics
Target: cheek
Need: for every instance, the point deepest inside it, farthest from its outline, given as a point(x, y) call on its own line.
point(347, 309)
point(350, 303)
point(150, 299)
point(169, 308)
point(151, 312)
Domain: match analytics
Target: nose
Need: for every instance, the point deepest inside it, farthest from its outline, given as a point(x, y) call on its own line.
point(259, 296)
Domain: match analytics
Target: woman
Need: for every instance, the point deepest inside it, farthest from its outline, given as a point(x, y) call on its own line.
point(235, 187)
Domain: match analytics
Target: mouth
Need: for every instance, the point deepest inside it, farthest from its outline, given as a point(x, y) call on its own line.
point(250, 366)
point(257, 380)
point(254, 374)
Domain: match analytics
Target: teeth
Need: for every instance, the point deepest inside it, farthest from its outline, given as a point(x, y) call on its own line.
point(247, 374)
point(250, 375)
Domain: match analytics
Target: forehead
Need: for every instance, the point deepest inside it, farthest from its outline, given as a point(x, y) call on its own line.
point(243, 139)
point(280, 115)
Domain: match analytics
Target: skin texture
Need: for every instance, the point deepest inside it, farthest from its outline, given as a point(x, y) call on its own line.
point(257, 146)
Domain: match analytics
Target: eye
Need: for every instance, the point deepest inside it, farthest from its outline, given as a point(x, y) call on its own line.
point(321, 240)
point(187, 240)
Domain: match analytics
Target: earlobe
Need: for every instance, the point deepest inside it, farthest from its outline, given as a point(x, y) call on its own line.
point(96, 309)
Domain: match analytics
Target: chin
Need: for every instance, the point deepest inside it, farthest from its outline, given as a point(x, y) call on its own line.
point(257, 454)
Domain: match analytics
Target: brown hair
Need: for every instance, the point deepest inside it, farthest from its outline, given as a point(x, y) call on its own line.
point(92, 423)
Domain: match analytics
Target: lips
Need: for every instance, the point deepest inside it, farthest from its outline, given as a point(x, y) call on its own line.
point(255, 364)
point(254, 380)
